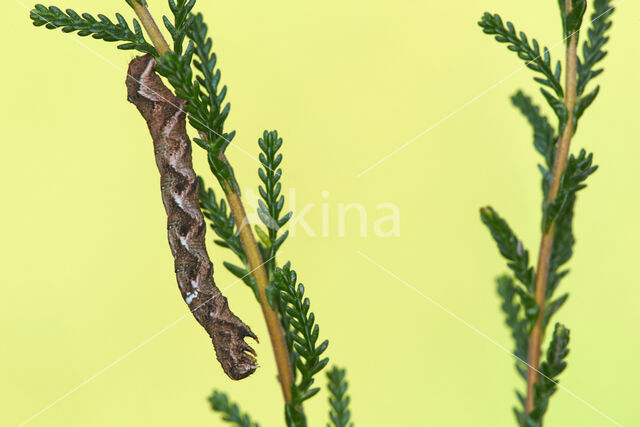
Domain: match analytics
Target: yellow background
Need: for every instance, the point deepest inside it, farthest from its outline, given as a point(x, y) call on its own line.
point(87, 273)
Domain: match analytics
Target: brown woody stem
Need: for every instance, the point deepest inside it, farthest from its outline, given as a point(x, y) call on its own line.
point(546, 244)
point(256, 262)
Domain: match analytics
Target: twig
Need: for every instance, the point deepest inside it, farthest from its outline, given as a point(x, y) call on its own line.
point(151, 28)
point(546, 244)
point(256, 264)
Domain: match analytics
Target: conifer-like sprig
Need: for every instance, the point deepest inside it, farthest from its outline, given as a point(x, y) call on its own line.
point(509, 246)
point(552, 367)
point(340, 414)
point(182, 20)
point(572, 20)
point(86, 25)
point(205, 102)
point(561, 210)
point(302, 335)
point(592, 48)
point(209, 79)
point(544, 139)
point(557, 208)
point(577, 171)
point(514, 319)
point(272, 202)
point(230, 412)
point(534, 59)
point(269, 210)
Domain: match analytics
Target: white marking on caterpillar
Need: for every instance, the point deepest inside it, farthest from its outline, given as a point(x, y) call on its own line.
point(191, 296)
point(145, 90)
point(184, 242)
point(171, 124)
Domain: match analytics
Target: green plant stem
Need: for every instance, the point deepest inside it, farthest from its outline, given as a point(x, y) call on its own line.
point(151, 28)
point(276, 334)
point(546, 244)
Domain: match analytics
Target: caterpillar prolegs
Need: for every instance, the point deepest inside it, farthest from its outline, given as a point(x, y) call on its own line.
point(165, 118)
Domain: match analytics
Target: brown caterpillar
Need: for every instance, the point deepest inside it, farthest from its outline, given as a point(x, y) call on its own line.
point(165, 118)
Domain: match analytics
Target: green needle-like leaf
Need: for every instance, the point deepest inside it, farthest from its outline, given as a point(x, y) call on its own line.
point(302, 335)
point(523, 313)
point(543, 134)
point(509, 246)
point(550, 369)
point(205, 103)
point(592, 48)
point(340, 414)
point(86, 25)
point(230, 412)
point(534, 59)
point(513, 318)
point(182, 20)
point(272, 203)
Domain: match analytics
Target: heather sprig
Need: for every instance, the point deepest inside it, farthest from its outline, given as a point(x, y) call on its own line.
point(302, 335)
point(340, 414)
point(529, 52)
point(530, 303)
point(271, 204)
point(230, 412)
point(182, 21)
point(101, 28)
